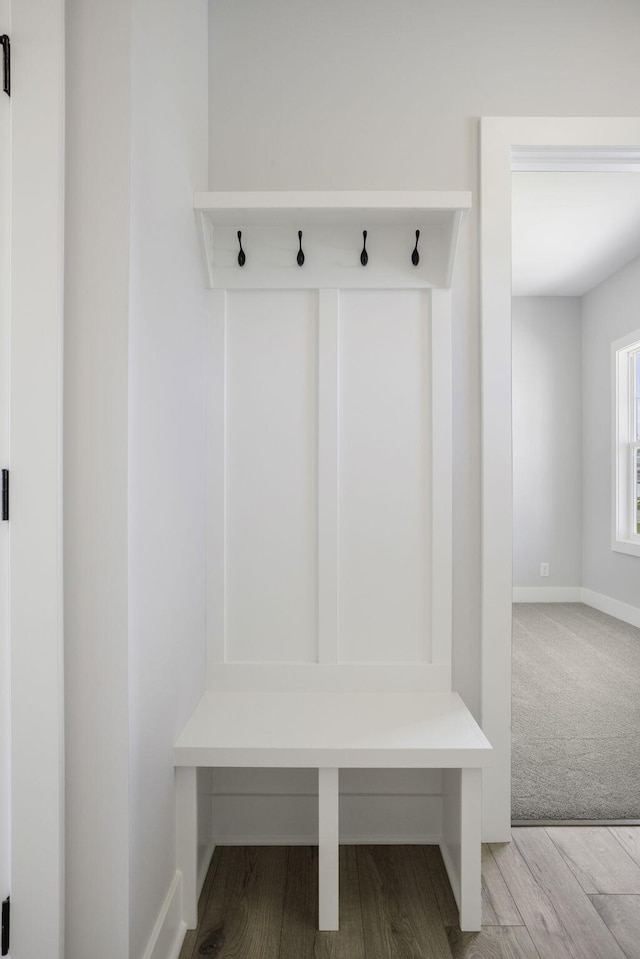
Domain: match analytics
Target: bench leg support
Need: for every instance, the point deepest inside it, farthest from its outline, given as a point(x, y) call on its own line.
point(471, 851)
point(328, 849)
point(187, 841)
point(460, 844)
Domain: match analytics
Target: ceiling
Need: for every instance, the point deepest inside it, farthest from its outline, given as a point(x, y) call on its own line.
point(570, 231)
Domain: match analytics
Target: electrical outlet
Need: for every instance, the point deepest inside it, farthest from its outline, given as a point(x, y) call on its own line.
point(544, 569)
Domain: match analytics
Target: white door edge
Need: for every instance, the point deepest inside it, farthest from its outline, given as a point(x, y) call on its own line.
point(37, 274)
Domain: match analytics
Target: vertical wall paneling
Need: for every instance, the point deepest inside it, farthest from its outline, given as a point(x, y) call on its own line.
point(216, 483)
point(442, 500)
point(385, 477)
point(271, 476)
point(328, 519)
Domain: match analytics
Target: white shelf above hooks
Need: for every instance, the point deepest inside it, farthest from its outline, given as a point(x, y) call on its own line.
point(332, 224)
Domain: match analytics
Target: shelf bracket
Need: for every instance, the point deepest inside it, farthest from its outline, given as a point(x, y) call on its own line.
point(205, 230)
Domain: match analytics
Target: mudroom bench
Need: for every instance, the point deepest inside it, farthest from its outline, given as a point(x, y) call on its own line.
point(329, 484)
point(329, 731)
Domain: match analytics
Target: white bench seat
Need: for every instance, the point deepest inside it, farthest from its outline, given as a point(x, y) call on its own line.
point(330, 731)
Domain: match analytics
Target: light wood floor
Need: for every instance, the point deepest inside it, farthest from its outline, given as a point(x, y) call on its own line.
point(553, 893)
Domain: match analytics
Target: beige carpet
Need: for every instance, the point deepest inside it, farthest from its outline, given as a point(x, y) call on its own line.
point(576, 714)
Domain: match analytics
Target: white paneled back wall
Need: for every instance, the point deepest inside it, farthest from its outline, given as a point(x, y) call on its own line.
point(384, 476)
point(271, 466)
point(320, 473)
point(320, 464)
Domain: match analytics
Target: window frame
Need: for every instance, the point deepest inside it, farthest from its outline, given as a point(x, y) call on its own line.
point(625, 354)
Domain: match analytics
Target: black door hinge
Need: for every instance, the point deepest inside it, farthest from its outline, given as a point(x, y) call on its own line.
point(6, 59)
point(6, 912)
point(5, 494)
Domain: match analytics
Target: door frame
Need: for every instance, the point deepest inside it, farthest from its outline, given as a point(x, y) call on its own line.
point(35, 432)
point(498, 138)
point(5, 659)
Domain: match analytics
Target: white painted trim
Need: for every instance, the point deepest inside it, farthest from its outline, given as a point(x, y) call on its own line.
point(167, 937)
point(328, 481)
point(454, 227)
point(452, 873)
point(216, 510)
point(470, 850)
point(331, 204)
point(311, 839)
point(628, 546)
point(579, 594)
point(460, 844)
point(204, 866)
point(613, 607)
point(36, 604)
point(623, 473)
point(547, 594)
point(169, 930)
point(328, 848)
point(187, 842)
point(498, 136)
point(323, 677)
point(442, 478)
point(5, 669)
point(575, 159)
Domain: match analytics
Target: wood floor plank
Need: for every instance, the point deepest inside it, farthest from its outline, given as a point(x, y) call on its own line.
point(400, 913)
point(629, 839)
point(300, 936)
point(493, 942)
point(441, 885)
point(595, 858)
point(243, 917)
point(498, 907)
point(622, 916)
point(300, 913)
point(586, 935)
point(536, 908)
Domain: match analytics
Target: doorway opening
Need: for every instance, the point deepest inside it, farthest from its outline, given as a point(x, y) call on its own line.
point(570, 140)
point(576, 669)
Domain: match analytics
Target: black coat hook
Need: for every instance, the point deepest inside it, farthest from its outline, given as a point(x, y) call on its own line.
point(241, 257)
point(364, 256)
point(300, 253)
point(415, 256)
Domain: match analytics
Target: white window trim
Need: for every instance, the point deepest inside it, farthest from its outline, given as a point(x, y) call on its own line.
point(624, 538)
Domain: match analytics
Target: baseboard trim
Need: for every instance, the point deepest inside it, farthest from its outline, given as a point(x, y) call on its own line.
point(613, 607)
point(578, 594)
point(547, 594)
point(312, 840)
point(574, 822)
point(169, 931)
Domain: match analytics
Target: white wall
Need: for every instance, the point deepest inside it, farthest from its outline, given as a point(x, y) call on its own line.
point(95, 478)
point(372, 95)
point(166, 429)
point(134, 449)
point(608, 312)
point(547, 441)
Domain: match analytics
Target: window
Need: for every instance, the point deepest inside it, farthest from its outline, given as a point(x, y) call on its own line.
point(626, 506)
